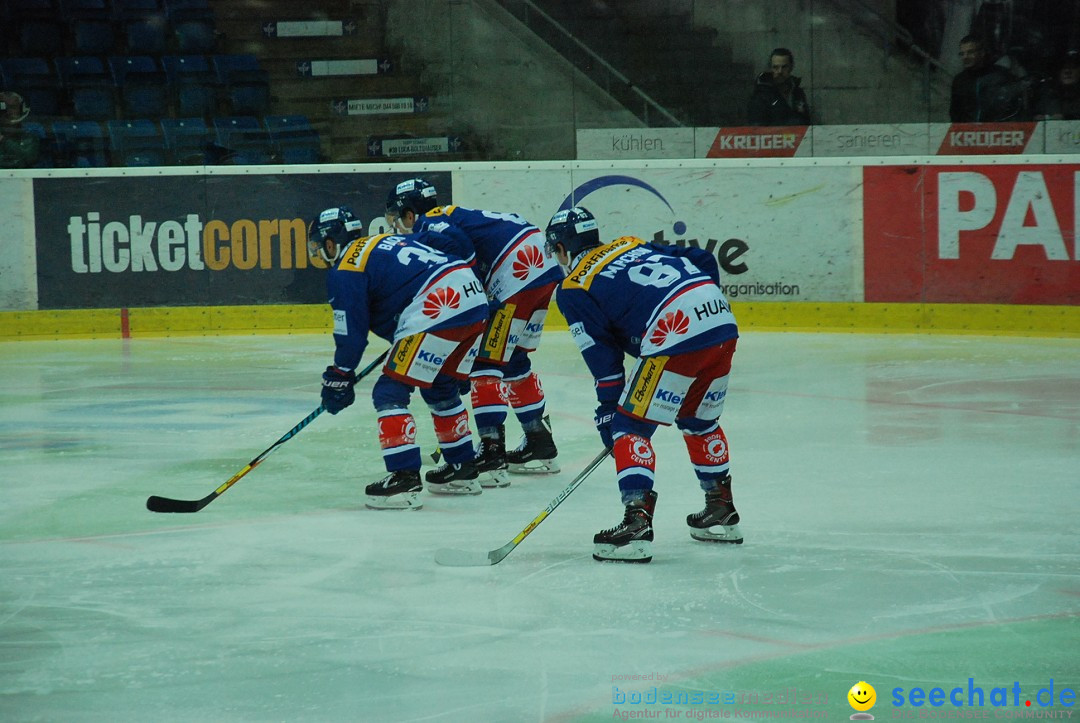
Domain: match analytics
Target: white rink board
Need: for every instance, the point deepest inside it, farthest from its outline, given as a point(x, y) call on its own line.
point(803, 225)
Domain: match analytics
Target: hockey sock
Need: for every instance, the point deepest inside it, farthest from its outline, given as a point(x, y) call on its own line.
point(397, 438)
point(635, 466)
point(452, 431)
point(526, 397)
point(709, 456)
point(489, 402)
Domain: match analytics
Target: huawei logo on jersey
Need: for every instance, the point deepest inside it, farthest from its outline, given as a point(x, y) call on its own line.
point(439, 299)
point(528, 258)
point(673, 322)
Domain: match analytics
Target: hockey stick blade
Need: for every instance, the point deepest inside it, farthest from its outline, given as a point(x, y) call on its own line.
point(154, 503)
point(167, 504)
point(464, 558)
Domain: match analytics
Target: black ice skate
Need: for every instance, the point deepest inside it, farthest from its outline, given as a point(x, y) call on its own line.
point(535, 455)
point(630, 541)
point(453, 479)
point(491, 462)
point(719, 521)
point(398, 490)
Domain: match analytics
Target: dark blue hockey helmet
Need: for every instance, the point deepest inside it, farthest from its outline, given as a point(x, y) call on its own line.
point(575, 228)
point(338, 225)
point(415, 194)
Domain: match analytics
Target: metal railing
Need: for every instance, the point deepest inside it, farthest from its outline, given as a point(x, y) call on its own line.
point(592, 64)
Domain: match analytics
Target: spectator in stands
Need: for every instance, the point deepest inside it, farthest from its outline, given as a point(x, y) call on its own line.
point(18, 147)
point(1059, 98)
point(777, 99)
point(984, 92)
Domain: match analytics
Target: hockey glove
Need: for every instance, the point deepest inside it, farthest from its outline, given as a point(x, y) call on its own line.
point(605, 415)
point(337, 389)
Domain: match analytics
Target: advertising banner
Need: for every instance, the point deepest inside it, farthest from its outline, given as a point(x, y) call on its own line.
point(629, 143)
point(760, 142)
point(902, 139)
point(973, 233)
point(779, 234)
point(191, 240)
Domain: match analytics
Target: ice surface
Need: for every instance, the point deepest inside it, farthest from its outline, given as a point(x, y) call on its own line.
point(909, 503)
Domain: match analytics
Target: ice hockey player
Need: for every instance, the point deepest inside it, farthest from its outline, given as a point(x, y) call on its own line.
point(519, 279)
point(663, 306)
point(433, 310)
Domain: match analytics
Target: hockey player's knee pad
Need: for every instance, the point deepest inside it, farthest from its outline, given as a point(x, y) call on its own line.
point(397, 429)
point(633, 452)
point(451, 425)
point(488, 391)
point(525, 391)
point(708, 451)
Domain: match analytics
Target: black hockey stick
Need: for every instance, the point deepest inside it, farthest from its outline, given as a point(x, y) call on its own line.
point(466, 558)
point(167, 504)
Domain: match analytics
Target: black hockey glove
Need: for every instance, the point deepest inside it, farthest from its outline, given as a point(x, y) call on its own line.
point(337, 389)
point(605, 415)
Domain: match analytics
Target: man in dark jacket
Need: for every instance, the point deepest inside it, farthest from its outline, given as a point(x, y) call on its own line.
point(777, 99)
point(984, 92)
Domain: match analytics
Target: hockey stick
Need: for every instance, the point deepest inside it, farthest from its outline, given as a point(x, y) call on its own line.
point(466, 558)
point(167, 504)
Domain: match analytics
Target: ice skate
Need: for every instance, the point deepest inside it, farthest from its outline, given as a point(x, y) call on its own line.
point(631, 540)
point(453, 479)
point(535, 455)
point(398, 490)
point(491, 462)
point(719, 521)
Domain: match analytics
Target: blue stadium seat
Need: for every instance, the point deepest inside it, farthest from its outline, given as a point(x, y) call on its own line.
point(244, 141)
point(91, 26)
point(142, 85)
point(192, 22)
point(41, 36)
point(81, 143)
point(89, 87)
point(47, 152)
point(36, 81)
point(246, 85)
point(295, 140)
point(136, 143)
point(187, 140)
point(124, 10)
point(193, 84)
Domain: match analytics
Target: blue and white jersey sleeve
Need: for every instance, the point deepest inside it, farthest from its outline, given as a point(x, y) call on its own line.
point(348, 296)
point(601, 351)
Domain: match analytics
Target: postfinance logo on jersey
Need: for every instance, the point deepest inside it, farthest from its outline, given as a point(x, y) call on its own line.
point(139, 244)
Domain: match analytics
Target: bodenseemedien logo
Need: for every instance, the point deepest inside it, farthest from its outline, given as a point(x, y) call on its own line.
point(862, 697)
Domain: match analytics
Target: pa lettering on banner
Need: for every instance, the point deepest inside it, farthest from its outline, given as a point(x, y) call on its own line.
point(972, 234)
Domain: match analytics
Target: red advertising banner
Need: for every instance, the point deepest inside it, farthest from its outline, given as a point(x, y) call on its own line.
point(971, 234)
point(757, 142)
point(975, 139)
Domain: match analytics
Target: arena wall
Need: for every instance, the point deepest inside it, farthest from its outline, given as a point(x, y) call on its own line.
point(982, 244)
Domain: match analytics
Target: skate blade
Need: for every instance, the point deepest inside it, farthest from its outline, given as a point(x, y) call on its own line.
point(718, 533)
point(495, 478)
point(472, 487)
point(636, 551)
point(404, 501)
point(536, 466)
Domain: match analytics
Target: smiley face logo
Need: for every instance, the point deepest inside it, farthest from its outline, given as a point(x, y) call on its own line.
point(862, 696)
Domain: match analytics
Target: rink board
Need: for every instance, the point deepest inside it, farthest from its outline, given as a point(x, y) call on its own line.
point(981, 244)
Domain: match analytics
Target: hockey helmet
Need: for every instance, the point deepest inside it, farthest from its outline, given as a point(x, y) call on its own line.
point(13, 109)
point(415, 194)
point(337, 225)
point(575, 228)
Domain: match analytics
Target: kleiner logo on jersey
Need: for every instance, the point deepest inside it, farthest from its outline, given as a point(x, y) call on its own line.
point(1004, 702)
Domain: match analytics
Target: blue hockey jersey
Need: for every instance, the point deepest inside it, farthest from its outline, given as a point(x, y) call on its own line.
point(643, 299)
point(509, 250)
point(395, 286)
